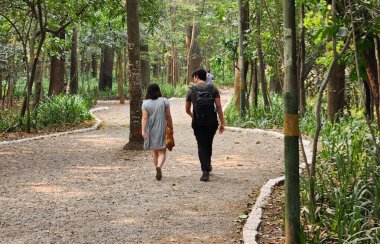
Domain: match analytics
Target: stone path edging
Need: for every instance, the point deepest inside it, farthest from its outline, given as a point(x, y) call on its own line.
point(110, 101)
point(94, 127)
point(250, 229)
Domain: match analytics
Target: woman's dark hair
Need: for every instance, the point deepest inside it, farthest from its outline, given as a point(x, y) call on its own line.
point(153, 92)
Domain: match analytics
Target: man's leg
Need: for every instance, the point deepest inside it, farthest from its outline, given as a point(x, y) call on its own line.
point(201, 135)
point(210, 138)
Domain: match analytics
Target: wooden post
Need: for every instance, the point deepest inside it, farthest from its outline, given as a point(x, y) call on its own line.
point(291, 129)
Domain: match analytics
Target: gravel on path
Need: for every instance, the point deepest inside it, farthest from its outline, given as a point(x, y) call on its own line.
point(85, 188)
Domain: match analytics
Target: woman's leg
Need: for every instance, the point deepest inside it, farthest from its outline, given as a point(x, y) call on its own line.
point(155, 157)
point(161, 157)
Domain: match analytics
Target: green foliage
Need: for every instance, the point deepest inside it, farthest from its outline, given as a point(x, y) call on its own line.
point(169, 90)
point(258, 117)
point(9, 119)
point(347, 184)
point(348, 173)
point(180, 90)
point(56, 110)
point(62, 109)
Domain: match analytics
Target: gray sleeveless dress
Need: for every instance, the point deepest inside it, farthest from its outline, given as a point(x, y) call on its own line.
point(156, 123)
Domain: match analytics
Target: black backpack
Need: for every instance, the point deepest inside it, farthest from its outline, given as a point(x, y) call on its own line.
point(204, 114)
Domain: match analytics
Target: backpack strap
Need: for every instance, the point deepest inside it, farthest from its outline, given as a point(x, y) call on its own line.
point(209, 87)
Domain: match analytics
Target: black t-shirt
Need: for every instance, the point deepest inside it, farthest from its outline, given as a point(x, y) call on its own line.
point(191, 96)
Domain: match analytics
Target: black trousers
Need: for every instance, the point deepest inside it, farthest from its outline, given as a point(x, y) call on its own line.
point(205, 136)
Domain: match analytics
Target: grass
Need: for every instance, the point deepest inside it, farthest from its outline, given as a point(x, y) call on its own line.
point(348, 173)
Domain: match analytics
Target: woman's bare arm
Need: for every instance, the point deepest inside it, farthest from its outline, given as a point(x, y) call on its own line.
point(144, 122)
point(168, 115)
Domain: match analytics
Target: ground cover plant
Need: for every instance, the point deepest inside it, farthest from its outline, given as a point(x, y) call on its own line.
point(348, 170)
point(52, 111)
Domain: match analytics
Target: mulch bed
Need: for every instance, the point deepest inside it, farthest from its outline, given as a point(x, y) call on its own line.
point(10, 136)
point(271, 229)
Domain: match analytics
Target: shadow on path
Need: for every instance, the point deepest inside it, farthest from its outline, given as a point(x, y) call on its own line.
point(85, 189)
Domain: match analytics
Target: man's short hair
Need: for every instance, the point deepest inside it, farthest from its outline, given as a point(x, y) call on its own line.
point(201, 73)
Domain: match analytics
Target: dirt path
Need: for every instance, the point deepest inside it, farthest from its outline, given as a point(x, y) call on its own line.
point(85, 189)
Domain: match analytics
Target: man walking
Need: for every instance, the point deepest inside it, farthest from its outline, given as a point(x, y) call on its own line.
point(210, 77)
point(205, 99)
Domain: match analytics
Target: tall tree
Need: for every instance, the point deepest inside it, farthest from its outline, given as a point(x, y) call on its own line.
point(291, 128)
point(335, 87)
point(135, 85)
point(173, 65)
point(370, 54)
point(254, 82)
point(243, 84)
point(74, 62)
point(57, 65)
point(106, 68)
point(120, 77)
point(145, 65)
point(260, 55)
point(241, 71)
point(38, 88)
point(194, 58)
point(94, 65)
point(301, 64)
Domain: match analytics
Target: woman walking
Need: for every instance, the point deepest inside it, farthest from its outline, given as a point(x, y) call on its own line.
point(155, 116)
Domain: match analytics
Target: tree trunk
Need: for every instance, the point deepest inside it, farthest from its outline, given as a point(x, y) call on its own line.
point(57, 69)
point(335, 88)
point(11, 83)
point(156, 69)
point(237, 89)
point(274, 84)
point(170, 69)
point(336, 83)
point(173, 69)
point(38, 88)
point(1, 86)
point(371, 68)
point(82, 73)
point(300, 78)
point(254, 83)
point(261, 69)
point(145, 65)
point(135, 86)
point(194, 58)
point(367, 100)
point(125, 66)
point(291, 127)
point(120, 77)
point(377, 58)
point(74, 62)
point(176, 67)
point(243, 64)
point(94, 66)
point(106, 69)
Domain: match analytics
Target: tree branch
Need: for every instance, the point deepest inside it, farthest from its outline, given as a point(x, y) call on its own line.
point(14, 27)
point(79, 13)
point(319, 103)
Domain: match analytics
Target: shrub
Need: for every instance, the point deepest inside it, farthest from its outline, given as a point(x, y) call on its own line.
point(259, 117)
point(62, 109)
point(10, 120)
point(55, 110)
